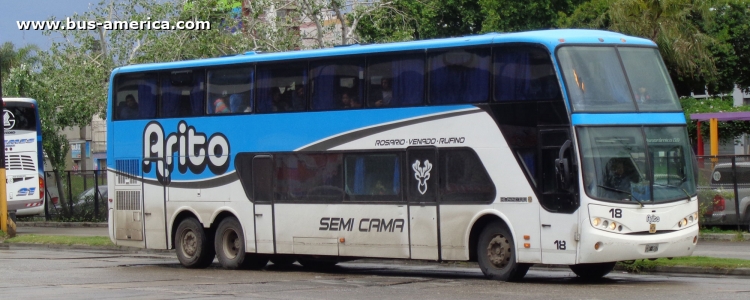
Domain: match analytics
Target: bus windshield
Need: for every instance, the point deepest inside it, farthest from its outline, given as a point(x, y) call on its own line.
point(642, 164)
point(616, 79)
point(19, 116)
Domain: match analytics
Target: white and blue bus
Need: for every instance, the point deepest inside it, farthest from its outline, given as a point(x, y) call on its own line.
point(24, 160)
point(564, 147)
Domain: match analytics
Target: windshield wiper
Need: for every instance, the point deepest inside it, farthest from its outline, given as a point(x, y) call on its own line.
point(676, 187)
point(621, 191)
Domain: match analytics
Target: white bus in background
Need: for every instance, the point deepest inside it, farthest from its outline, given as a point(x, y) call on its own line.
point(24, 167)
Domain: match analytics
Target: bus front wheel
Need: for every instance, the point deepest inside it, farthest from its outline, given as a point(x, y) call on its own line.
point(230, 247)
point(496, 254)
point(193, 245)
point(593, 271)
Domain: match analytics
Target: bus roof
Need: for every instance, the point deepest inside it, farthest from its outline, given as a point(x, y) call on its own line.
point(550, 38)
point(27, 100)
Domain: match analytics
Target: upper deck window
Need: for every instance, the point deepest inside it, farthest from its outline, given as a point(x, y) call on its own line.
point(524, 73)
point(182, 93)
point(19, 116)
point(281, 87)
point(337, 84)
point(135, 96)
point(230, 91)
point(460, 76)
point(596, 81)
point(395, 80)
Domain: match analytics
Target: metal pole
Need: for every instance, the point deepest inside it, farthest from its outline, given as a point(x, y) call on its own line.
point(4, 220)
point(70, 194)
point(736, 193)
point(96, 194)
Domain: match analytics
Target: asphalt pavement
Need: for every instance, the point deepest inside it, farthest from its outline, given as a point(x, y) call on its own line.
point(711, 245)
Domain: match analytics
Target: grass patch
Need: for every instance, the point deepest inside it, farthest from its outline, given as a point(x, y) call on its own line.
point(718, 230)
point(61, 240)
point(690, 261)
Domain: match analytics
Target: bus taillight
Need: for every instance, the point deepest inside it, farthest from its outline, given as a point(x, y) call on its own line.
point(41, 187)
point(719, 203)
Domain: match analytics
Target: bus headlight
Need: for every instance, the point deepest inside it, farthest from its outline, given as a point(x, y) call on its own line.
point(596, 222)
point(612, 226)
point(683, 222)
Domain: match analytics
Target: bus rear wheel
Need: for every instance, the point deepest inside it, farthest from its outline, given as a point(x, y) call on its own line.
point(593, 271)
point(193, 245)
point(230, 247)
point(496, 254)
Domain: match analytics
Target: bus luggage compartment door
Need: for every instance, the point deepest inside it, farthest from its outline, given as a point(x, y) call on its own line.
point(263, 198)
point(154, 206)
point(423, 208)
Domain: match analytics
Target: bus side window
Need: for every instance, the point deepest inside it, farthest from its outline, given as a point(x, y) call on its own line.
point(337, 84)
point(460, 76)
point(464, 177)
point(230, 91)
point(524, 73)
point(281, 88)
point(373, 177)
point(141, 88)
point(182, 94)
point(395, 80)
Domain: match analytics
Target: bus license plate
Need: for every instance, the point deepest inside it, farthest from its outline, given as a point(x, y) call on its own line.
point(652, 248)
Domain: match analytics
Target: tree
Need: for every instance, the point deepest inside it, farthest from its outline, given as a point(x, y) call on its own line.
point(731, 30)
point(11, 57)
point(509, 15)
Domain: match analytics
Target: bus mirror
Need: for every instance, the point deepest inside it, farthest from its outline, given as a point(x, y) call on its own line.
point(562, 167)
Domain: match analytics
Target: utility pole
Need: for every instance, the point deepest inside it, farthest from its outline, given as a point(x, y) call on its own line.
point(4, 220)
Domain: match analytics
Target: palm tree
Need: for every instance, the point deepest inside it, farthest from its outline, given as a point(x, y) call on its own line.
point(10, 57)
point(673, 25)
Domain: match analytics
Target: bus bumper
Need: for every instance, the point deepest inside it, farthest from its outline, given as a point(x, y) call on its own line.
point(619, 247)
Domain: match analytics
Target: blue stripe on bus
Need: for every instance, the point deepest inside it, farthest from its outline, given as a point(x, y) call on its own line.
point(549, 38)
point(263, 132)
point(628, 118)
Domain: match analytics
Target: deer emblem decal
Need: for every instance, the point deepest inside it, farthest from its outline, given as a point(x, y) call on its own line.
point(422, 174)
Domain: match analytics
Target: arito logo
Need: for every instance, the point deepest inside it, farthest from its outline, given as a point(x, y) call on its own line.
point(9, 120)
point(192, 149)
point(422, 174)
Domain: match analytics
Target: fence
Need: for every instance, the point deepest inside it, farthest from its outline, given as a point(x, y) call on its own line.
point(721, 180)
point(72, 196)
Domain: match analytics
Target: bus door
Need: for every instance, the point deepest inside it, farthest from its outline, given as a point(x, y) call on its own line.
point(263, 204)
point(421, 190)
point(559, 213)
point(154, 206)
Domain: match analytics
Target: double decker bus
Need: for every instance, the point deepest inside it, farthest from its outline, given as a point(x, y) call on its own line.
point(24, 160)
point(564, 147)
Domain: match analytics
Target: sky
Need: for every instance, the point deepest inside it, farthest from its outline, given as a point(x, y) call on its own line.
point(35, 10)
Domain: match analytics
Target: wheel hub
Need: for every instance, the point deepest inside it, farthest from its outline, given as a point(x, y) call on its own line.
point(189, 244)
point(231, 243)
point(499, 251)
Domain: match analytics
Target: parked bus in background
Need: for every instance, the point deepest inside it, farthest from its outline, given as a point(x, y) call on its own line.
point(564, 147)
point(24, 163)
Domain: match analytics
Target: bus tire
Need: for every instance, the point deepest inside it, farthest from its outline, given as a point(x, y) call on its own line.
point(230, 247)
point(593, 271)
point(193, 245)
point(496, 254)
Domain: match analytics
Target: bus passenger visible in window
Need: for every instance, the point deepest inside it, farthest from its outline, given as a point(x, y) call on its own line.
point(278, 101)
point(220, 106)
point(642, 95)
point(130, 109)
point(348, 101)
point(384, 94)
point(238, 105)
point(298, 98)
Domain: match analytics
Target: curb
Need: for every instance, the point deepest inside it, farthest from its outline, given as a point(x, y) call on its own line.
point(123, 249)
point(62, 224)
point(727, 237)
